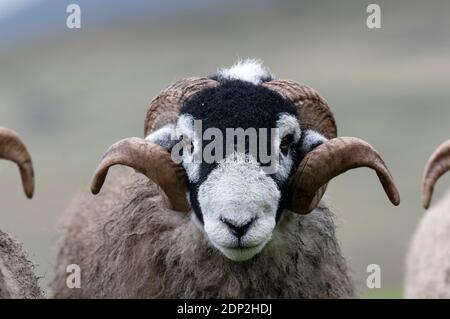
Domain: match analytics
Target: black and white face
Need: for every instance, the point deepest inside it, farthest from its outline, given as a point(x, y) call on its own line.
point(235, 197)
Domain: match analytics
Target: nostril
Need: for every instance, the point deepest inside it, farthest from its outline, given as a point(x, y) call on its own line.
point(238, 230)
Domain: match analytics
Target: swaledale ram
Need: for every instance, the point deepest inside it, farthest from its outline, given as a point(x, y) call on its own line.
point(428, 260)
point(17, 279)
point(223, 229)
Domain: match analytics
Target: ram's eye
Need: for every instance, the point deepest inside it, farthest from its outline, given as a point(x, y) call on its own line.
point(286, 143)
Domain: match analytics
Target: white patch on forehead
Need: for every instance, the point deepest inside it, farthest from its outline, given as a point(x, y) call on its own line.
point(239, 191)
point(249, 70)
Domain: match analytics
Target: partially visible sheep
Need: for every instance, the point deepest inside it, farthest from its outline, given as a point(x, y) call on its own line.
point(17, 279)
point(428, 260)
point(226, 228)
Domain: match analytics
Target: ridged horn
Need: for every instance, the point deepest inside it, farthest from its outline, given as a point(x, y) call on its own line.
point(165, 107)
point(438, 165)
point(151, 160)
point(12, 148)
point(312, 110)
point(331, 159)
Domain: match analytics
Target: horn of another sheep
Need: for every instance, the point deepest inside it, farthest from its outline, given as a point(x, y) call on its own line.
point(438, 165)
point(12, 148)
point(165, 107)
point(151, 160)
point(312, 110)
point(331, 159)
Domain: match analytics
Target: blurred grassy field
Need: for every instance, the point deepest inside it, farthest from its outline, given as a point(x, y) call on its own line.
point(73, 95)
point(383, 294)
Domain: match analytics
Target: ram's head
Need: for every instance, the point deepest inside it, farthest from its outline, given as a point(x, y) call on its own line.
point(12, 148)
point(239, 149)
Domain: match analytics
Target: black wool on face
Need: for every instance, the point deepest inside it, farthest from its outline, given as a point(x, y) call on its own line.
point(238, 104)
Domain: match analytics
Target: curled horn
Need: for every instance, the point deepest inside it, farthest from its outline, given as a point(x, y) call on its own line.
point(331, 159)
point(165, 107)
point(313, 111)
point(12, 148)
point(151, 160)
point(438, 165)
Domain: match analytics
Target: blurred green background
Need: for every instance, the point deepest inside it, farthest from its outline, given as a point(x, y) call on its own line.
point(72, 93)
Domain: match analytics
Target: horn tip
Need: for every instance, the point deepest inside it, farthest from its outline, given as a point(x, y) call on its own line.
point(95, 189)
point(29, 193)
point(97, 183)
point(426, 200)
point(427, 194)
point(98, 179)
point(27, 182)
point(396, 198)
point(96, 186)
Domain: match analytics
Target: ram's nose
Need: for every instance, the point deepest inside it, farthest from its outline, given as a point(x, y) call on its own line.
point(238, 229)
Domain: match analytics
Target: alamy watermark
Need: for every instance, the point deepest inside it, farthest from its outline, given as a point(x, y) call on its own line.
point(374, 19)
point(73, 20)
point(373, 280)
point(74, 278)
point(253, 142)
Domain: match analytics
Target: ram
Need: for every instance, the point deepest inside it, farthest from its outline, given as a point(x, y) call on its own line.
point(17, 279)
point(428, 260)
point(180, 227)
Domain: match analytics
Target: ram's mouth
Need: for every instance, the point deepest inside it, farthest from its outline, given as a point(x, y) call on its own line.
point(241, 252)
point(240, 245)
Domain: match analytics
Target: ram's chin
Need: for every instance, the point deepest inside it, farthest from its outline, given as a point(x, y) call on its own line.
point(240, 254)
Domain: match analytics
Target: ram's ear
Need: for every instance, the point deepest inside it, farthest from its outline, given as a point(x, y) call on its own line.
point(164, 136)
